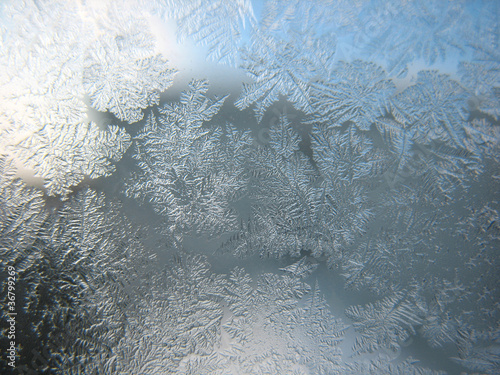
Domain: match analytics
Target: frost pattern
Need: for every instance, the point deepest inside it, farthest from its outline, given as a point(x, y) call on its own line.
point(483, 138)
point(191, 173)
point(285, 199)
point(76, 273)
point(44, 124)
point(345, 158)
point(315, 328)
point(180, 316)
point(302, 268)
point(435, 300)
point(40, 79)
point(294, 208)
point(435, 107)
point(480, 74)
point(383, 325)
point(318, 15)
point(479, 350)
point(274, 334)
point(22, 210)
point(281, 67)
point(345, 155)
point(430, 138)
point(217, 24)
point(358, 92)
point(65, 155)
point(379, 366)
point(399, 35)
point(199, 322)
point(386, 256)
point(117, 78)
point(381, 185)
point(482, 83)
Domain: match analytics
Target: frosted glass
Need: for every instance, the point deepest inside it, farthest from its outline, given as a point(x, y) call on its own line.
point(249, 187)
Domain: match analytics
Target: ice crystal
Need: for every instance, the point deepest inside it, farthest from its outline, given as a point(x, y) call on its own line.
point(217, 24)
point(401, 141)
point(191, 173)
point(479, 236)
point(435, 107)
point(122, 84)
point(380, 366)
point(295, 209)
point(280, 67)
point(286, 201)
point(281, 15)
point(194, 107)
point(482, 82)
point(441, 166)
point(301, 268)
point(357, 92)
point(314, 326)
point(41, 77)
point(370, 264)
point(392, 183)
point(384, 324)
point(22, 210)
point(281, 294)
point(343, 155)
point(346, 210)
point(344, 158)
point(399, 35)
point(180, 315)
point(438, 327)
point(283, 139)
point(401, 248)
point(274, 332)
point(93, 250)
point(199, 322)
point(320, 15)
point(481, 224)
point(64, 155)
point(45, 127)
point(483, 138)
point(479, 350)
point(480, 75)
point(77, 290)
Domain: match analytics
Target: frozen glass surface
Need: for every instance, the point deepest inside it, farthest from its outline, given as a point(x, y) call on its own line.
point(249, 187)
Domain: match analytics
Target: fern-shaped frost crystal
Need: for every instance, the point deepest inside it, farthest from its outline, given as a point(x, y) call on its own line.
point(343, 155)
point(76, 275)
point(384, 324)
point(217, 24)
point(399, 35)
point(357, 92)
point(286, 206)
point(378, 177)
point(279, 67)
point(64, 155)
point(274, 333)
point(301, 268)
point(43, 114)
point(22, 210)
point(191, 173)
point(435, 107)
point(124, 85)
